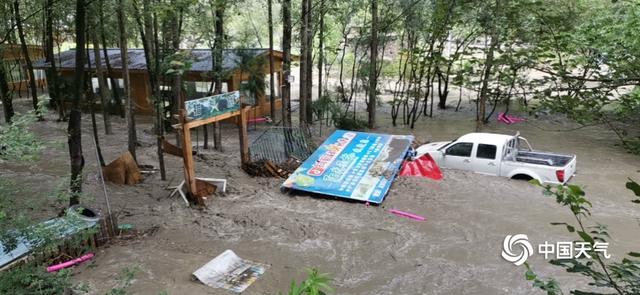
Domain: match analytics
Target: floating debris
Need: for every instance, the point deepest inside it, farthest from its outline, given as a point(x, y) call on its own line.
point(278, 144)
point(267, 168)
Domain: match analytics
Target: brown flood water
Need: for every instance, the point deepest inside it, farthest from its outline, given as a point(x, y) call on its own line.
point(366, 249)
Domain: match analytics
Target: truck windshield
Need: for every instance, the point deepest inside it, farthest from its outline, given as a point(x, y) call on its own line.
point(447, 145)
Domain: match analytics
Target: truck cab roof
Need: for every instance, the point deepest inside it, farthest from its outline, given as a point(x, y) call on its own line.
point(493, 138)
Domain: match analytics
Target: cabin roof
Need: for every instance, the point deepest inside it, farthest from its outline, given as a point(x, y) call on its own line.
point(201, 59)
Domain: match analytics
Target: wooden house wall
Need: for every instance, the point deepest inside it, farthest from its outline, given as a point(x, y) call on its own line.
point(11, 53)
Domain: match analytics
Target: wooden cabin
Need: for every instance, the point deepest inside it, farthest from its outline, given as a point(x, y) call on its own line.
point(12, 59)
point(197, 79)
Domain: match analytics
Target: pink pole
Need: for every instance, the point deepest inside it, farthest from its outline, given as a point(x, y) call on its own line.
point(407, 215)
point(69, 263)
point(258, 120)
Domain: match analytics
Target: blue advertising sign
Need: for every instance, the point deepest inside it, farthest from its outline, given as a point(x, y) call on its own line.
point(352, 165)
point(211, 106)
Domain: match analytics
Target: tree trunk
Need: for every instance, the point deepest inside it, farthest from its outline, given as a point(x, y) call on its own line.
point(57, 100)
point(432, 94)
point(272, 92)
point(343, 92)
point(219, 46)
point(176, 93)
point(75, 123)
point(151, 27)
point(304, 47)
point(353, 83)
point(145, 27)
point(286, 66)
point(173, 27)
point(309, 58)
point(486, 74)
point(176, 87)
point(217, 51)
point(484, 90)
point(216, 85)
point(7, 104)
point(92, 105)
point(373, 68)
point(11, 38)
point(94, 126)
point(459, 98)
point(129, 110)
point(115, 87)
point(443, 89)
point(102, 82)
point(25, 52)
point(321, 48)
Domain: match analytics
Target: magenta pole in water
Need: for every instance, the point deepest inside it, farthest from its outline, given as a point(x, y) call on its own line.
point(407, 215)
point(60, 266)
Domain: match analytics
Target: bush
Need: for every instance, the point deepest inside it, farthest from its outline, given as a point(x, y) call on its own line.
point(315, 284)
point(328, 109)
point(347, 122)
point(33, 279)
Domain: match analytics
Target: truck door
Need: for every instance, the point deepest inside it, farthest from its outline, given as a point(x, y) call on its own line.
point(458, 156)
point(485, 160)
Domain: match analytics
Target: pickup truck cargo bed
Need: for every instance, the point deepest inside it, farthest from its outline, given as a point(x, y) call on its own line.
point(542, 158)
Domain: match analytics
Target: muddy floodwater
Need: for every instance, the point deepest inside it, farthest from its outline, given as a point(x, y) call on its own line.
point(366, 249)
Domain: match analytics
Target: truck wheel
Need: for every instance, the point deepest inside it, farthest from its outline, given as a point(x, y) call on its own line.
point(522, 177)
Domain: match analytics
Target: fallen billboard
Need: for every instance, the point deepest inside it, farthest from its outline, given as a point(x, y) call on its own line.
point(352, 165)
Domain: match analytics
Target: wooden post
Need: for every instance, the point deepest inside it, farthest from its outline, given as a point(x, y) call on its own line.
point(244, 139)
point(280, 79)
point(187, 156)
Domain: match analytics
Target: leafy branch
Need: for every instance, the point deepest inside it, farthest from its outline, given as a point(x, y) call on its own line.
point(622, 277)
point(16, 143)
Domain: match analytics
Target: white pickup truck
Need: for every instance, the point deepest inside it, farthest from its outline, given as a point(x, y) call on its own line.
point(501, 155)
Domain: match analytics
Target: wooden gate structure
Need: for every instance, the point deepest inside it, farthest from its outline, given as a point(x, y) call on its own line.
point(204, 111)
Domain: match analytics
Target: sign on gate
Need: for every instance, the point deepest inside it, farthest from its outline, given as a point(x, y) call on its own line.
point(211, 106)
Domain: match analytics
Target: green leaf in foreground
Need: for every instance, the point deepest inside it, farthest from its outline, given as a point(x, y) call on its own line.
point(634, 187)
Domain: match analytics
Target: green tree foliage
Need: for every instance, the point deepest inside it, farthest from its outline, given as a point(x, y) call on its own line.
point(588, 52)
point(253, 68)
point(621, 277)
point(577, 58)
point(17, 144)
